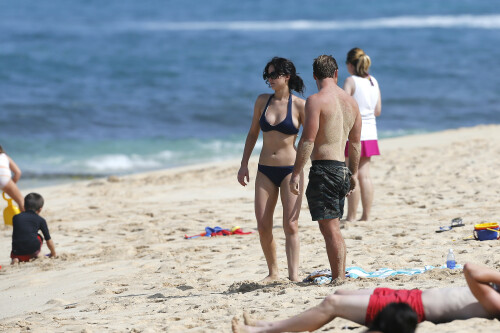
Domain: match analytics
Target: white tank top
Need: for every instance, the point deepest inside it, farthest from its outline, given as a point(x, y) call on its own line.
point(367, 96)
point(4, 165)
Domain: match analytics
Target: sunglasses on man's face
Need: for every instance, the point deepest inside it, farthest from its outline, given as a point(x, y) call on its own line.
point(273, 75)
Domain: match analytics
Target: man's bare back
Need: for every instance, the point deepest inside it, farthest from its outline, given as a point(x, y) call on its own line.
point(443, 305)
point(338, 112)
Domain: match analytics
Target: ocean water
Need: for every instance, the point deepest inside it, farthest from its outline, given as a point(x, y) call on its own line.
point(93, 88)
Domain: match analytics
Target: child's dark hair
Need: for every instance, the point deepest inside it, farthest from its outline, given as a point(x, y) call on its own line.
point(286, 67)
point(33, 201)
point(395, 318)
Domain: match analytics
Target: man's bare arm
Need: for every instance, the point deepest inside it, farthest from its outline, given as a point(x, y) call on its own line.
point(478, 279)
point(306, 142)
point(354, 149)
point(303, 154)
point(355, 144)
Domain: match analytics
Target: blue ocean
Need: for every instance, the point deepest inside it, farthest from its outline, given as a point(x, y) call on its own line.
point(93, 88)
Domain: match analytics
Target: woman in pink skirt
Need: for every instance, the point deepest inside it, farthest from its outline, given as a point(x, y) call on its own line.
point(365, 90)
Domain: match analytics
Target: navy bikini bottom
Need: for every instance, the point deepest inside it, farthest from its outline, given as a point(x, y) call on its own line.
point(276, 173)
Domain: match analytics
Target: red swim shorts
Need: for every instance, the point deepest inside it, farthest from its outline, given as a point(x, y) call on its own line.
point(383, 296)
point(27, 257)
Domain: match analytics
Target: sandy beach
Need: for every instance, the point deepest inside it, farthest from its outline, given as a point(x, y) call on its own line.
point(123, 264)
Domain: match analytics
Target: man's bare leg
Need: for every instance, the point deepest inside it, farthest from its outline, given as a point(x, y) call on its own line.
point(266, 197)
point(335, 246)
point(351, 307)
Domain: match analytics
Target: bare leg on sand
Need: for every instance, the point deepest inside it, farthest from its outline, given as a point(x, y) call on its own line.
point(351, 307)
point(335, 247)
point(266, 197)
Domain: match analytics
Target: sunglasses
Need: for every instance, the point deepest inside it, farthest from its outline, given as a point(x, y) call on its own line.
point(273, 75)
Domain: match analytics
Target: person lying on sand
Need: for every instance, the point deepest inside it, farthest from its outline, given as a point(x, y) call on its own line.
point(481, 299)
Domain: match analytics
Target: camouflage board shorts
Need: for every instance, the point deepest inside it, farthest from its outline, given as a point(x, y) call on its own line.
point(329, 182)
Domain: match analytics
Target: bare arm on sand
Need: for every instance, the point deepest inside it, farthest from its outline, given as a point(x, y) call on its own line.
point(479, 279)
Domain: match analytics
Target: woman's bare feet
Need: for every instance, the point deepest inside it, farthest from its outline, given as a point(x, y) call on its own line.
point(364, 219)
point(14, 261)
point(270, 278)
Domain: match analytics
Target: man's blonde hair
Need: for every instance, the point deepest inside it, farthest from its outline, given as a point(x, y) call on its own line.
point(324, 66)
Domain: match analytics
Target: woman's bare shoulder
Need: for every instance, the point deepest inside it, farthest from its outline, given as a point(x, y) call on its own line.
point(298, 102)
point(261, 101)
point(264, 97)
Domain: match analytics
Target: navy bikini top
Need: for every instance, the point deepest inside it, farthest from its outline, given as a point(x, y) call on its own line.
point(285, 127)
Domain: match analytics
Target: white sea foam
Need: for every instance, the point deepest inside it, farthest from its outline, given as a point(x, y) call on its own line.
point(120, 162)
point(408, 22)
point(218, 146)
point(179, 154)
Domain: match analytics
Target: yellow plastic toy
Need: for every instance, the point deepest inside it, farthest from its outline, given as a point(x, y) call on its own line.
point(9, 211)
point(486, 231)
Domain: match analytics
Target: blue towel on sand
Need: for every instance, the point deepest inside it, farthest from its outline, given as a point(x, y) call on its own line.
point(325, 276)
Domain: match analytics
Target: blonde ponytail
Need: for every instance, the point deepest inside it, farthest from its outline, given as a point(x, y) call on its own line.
point(363, 65)
point(360, 60)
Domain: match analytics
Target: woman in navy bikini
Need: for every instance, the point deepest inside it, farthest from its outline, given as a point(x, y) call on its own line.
point(279, 116)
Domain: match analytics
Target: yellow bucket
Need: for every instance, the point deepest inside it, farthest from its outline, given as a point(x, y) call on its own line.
point(486, 231)
point(483, 226)
point(9, 211)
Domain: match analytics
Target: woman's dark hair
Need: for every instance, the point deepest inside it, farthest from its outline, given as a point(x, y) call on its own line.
point(395, 318)
point(286, 67)
point(33, 201)
point(1, 150)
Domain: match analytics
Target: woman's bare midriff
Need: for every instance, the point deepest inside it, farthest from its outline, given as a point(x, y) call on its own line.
point(278, 149)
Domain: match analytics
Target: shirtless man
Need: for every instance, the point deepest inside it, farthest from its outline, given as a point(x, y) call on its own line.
point(481, 299)
point(331, 117)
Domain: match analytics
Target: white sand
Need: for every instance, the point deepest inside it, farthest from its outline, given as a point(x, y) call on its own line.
point(124, 265)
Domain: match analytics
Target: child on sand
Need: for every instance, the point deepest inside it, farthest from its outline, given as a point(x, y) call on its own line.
point(26, 242)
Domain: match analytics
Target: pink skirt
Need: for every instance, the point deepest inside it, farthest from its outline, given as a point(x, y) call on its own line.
point(368, 148)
